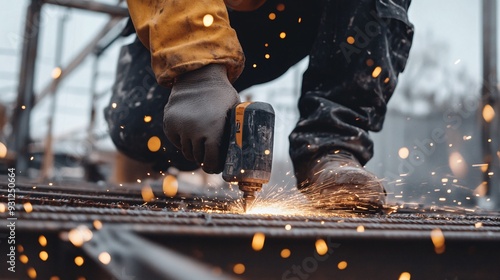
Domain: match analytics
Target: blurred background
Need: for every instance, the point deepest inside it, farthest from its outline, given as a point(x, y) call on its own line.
point(439, 146)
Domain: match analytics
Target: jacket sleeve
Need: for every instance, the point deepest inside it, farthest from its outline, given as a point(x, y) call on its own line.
point(183, 36)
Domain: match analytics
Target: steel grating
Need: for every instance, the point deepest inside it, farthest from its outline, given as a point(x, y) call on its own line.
point(216, 239)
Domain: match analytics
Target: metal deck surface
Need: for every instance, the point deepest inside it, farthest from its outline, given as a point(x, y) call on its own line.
point(372, 246)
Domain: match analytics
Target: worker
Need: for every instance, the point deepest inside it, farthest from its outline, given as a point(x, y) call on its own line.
point(203, 52)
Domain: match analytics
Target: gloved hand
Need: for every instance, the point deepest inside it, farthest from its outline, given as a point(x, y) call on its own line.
point(195, 116)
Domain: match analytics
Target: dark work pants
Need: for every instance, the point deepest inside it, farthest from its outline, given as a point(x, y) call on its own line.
point(356, 48)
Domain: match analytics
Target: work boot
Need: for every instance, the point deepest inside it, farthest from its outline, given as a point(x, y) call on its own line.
point(337, 181)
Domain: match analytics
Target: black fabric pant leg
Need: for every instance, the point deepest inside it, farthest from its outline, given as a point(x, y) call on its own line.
point(274, 38)
point(360, 48)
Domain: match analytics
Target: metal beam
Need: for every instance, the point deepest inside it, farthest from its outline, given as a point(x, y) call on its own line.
point(20, 137)
point(90, 48)
point(134, 256)
point(112, 10)
point(490, 97)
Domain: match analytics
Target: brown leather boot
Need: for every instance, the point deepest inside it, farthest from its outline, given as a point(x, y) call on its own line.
point(338, 182)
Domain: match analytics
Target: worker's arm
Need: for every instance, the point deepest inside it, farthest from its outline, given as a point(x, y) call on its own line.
point(182, 36)
point(194, 49)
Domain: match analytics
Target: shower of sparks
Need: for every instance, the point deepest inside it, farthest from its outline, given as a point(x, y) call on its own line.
point(312, 201)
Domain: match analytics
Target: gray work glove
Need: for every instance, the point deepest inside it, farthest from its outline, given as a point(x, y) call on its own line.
point(196, 114)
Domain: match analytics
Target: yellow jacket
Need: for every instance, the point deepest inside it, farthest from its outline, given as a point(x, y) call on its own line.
point(185, 35)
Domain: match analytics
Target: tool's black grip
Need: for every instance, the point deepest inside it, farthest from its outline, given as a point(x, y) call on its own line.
point(250, 152)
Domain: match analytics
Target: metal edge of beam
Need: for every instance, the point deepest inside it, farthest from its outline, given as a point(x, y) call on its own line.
point(20, 136)
point(203, 231)
point(134, 256)
point(93, 6)
point(490, 96)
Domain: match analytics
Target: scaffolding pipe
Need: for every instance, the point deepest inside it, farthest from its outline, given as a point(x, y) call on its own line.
point(47, 171)
point(490, 126)
point(90, 48)
point(20, 138)
point(93, 6)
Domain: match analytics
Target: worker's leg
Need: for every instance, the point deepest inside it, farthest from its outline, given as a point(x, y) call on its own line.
point(360, 48)
point(274, 37)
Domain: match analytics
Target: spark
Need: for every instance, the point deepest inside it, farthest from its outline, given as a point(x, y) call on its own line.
point(282, 35)
point(147, 193)
point(170, 186)
point(350, 40)
point(31, 273)
point(405, 276)
point(488, 113)
point(321, 247)
point(56, 73)
point(3, 150)
point(43, 255)
point(79, 261)
point(24, 259)
point(147, 119)
point(239, 268)
point(258, 241)
point(285, 253)
point(272, 16)
point(403, 153)
point(113, 105)
point(437, 238)
point(42, 240)
point(154, 144)
point(104, 257)
point(97, 224)
point(280, 7)
point(28, 207)
point(376, 72)
point(342, 265)
point(208, 19)
point(360, 228)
